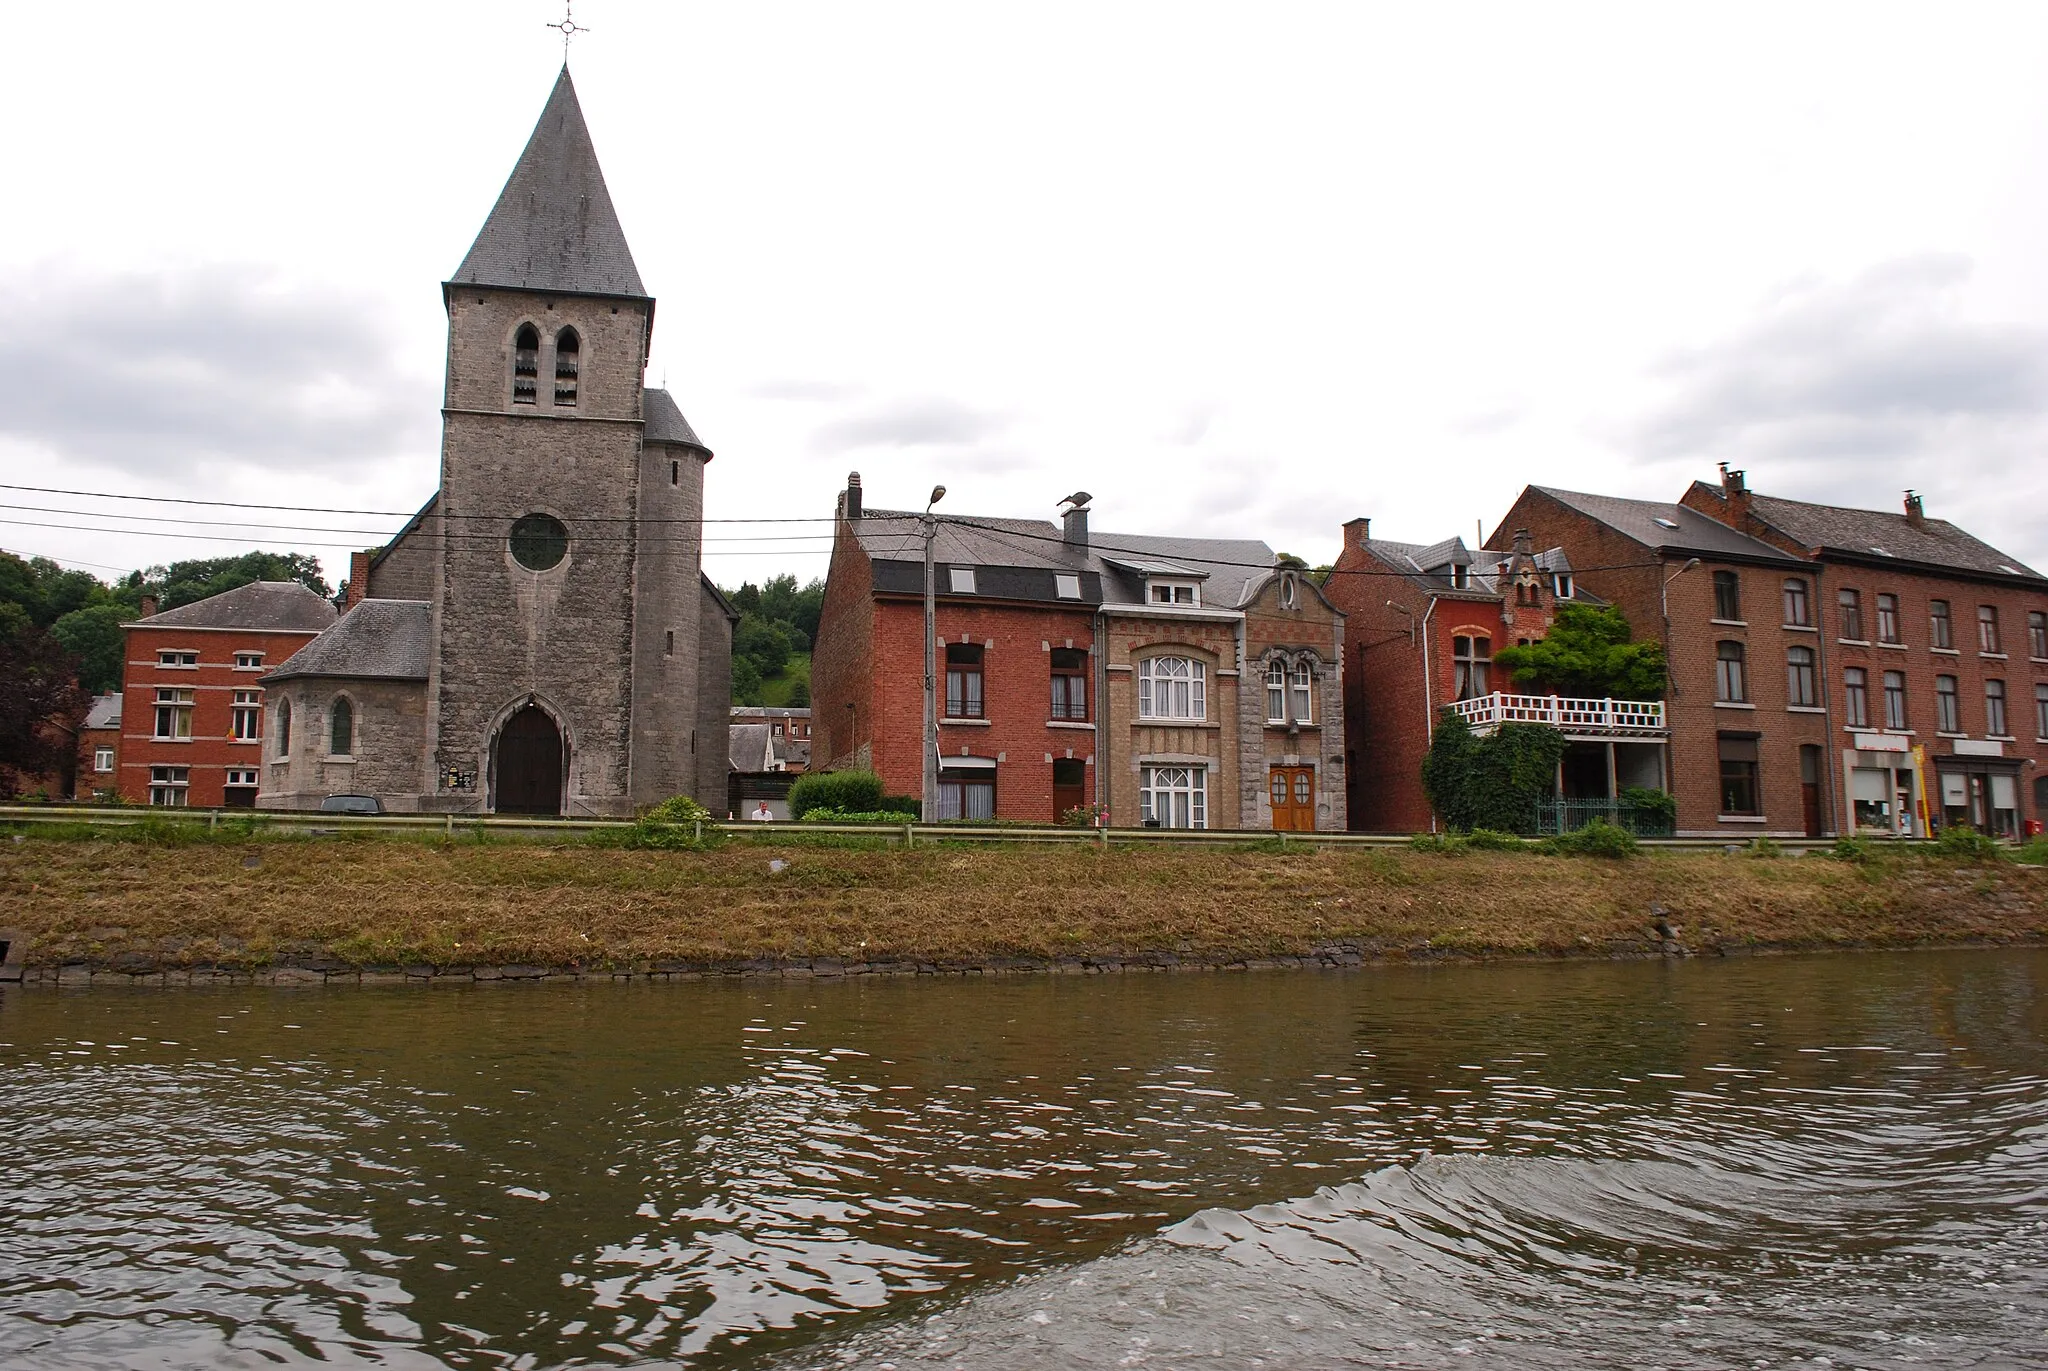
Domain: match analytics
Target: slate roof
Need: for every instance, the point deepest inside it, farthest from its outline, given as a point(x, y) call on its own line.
point(105, 712)
point(1692, 532)
point(748, 749)
point(283, 606)
point(1863, 532)
point(664, 420)
point(553, 227)
point(411, 526)
point(387, 640)
point(1228, 568)
point(1484, 580)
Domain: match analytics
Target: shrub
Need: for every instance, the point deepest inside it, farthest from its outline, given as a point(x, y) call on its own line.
point(680, 809)
point(1597, 839)
point(1449, 844)
point(1493, 840)
point(1962, 843)
point(825, 814)
point(2035, 853)
point(848, 791)
point(1857, 848)
point(1765, 847)
point(1491, 782)
point(906, 805)
point(1084, 816)
point(1650, 809)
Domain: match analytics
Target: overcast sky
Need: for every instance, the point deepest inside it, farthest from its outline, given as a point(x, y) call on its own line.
point(1241, 270)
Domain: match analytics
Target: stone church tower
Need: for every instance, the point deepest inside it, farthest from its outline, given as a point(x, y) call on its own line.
point(540, 638)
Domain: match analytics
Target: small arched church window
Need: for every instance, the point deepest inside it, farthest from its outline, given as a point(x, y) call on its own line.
point(284, 726)
point(526, 365)
point(341, 728)
point(568, 358)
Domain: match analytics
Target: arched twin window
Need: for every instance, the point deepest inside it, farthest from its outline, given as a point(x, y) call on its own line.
point(341, 728)
point(568, 359)
point(1290, 691)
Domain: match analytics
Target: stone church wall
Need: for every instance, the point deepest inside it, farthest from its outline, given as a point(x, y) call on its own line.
point(389, 740)
point(714, 700)
point(667, 607)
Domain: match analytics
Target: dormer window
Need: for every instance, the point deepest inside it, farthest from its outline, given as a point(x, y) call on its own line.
point(1461, 576)
point(1562, 584)
point(1066, 585)
point(568, 357)
point(526, 365)
point(960, 580)
point(1174, 593)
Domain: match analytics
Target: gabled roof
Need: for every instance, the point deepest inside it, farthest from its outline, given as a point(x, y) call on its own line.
point(105, 712)
point(411, 526)
point(1424, 563)
point(748, 748)
point(1868, 532)
point(278, 606)
point(1230, 567)
point(1669, 528)
point(387, 640)
point(664, 421)
point(553, 227)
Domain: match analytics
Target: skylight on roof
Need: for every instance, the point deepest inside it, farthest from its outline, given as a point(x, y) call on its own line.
point(1880, 551)
point(2009, 570)
point(1662, 522)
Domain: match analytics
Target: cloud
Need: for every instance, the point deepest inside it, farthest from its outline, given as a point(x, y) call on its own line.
point(929, 421)
point(177, 373)
point(1847, 391)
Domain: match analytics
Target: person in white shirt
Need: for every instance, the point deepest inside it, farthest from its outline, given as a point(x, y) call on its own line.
point(762, 814)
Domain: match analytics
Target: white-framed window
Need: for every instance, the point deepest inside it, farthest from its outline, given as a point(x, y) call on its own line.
point(1173, 593)
point(1172, 688)
point(1276, 692)
point(1066, 585)
point(967, 792)
point(1290, 690)
point(1561, 585)
point(1174, 797)
point(103, 758)
point(245, 716)
point(167, 785)
point(173, 712)
point(241, 776)
point(1472, 662)
point(177, 657)
point(248, 661)
point(960, 579)
point(1302, 679)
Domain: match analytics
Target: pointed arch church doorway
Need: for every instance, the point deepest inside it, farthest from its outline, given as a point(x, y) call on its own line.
point(529, 764)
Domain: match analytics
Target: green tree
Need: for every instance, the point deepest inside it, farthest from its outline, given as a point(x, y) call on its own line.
point(1587, 653)
point(1492, 782)
point(95, 637)
point(800, 695)
point(746, 681)
point(41, 705)
point(181, 583)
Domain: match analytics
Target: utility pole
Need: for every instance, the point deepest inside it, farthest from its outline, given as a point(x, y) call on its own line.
point(930, 806)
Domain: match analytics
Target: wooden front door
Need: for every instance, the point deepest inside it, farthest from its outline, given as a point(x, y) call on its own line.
point(1069, 787)
point(530, 764)
point(1292, 790)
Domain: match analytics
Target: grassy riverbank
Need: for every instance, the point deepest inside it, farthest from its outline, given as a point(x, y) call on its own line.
point(330, 907)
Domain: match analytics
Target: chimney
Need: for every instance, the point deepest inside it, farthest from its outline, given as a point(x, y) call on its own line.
point(1916, 513)
point(358, 580)
point(1735, 491)
point(851, 506)
point(1357, 532)
point(1074, 525)
point(1525, 544)
point(148, 606)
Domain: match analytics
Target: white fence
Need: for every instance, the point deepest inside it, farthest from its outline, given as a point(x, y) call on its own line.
point(1613, 718)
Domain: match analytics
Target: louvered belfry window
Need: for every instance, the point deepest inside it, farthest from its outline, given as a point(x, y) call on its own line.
point(526, 365)
point(568, 361)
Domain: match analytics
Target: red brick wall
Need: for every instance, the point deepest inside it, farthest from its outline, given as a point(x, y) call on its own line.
point(211, 751)
point(842, 659)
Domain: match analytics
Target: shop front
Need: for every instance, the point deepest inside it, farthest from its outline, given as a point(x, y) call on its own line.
point(1979, 787)
point(1883, 780)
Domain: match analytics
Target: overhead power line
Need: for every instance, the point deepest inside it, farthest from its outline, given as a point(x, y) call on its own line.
point(385, 513)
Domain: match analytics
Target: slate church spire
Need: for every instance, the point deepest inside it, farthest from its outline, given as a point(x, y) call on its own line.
point(553, 227)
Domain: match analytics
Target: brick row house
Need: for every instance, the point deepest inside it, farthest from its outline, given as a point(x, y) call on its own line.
point(1188, 683)
point(194, 695)
point(1423, 622)
point(1931, 654)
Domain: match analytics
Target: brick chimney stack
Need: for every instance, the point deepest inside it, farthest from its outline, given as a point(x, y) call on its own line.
point(1525, 543)
point(1916, 513)
point(1357, 532)
point(358, 580)
point(1735, 489)
point(148, 606)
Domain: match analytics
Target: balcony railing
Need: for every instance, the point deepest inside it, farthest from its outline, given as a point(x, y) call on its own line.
point(1607, 718)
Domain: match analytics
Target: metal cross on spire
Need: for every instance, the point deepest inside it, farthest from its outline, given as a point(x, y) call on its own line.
point(568, 28)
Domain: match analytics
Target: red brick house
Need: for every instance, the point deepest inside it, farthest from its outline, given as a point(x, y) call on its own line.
point(98, 772)
point(1932, 651)
point(1423, 622)
point(1077, 672)
point(193, 699)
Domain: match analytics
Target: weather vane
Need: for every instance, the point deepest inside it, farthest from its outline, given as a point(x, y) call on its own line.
point(568, 28)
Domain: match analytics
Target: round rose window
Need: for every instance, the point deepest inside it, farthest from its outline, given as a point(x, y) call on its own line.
point(539, 541)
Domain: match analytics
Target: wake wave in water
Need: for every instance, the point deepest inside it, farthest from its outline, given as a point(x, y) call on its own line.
point(1546, 1263)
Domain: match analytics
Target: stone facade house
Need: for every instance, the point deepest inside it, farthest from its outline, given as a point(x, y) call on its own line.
point(540, 638)
point(1076, 672)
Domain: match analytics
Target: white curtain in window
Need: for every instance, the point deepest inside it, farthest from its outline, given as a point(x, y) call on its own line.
point(1276, 692)
point(1175, 796)
point(1172, 688)
point(1303, 677)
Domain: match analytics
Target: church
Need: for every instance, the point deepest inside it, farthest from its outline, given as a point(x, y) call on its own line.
point(540, 638)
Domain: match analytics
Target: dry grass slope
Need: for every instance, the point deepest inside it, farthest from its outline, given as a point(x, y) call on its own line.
point(396, 903)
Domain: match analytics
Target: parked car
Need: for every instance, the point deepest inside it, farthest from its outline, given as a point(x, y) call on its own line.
point(351, 804)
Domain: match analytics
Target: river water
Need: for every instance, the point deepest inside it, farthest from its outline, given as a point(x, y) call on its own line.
point(1817, 1161)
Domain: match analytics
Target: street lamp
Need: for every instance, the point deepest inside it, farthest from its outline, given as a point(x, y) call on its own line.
point(1664, 591)
point(930, 807)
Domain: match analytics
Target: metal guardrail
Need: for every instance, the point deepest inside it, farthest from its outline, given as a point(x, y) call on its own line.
point(906, 834)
